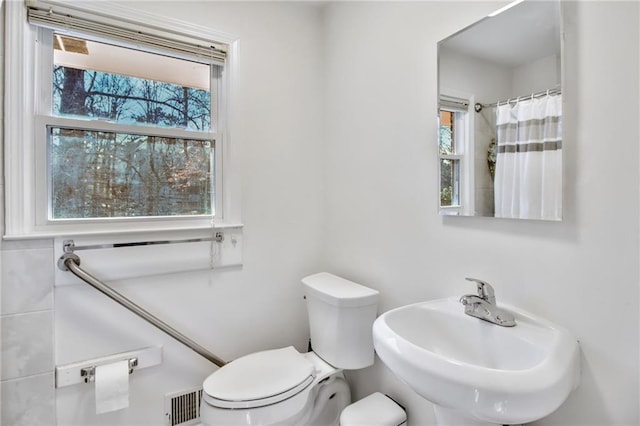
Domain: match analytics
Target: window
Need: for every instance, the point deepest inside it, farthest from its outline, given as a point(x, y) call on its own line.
point(112, 129)
point(449, 160)
point(453, 143)
point(155, 158)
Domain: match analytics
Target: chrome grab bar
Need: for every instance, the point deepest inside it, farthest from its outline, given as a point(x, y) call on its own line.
point(71, 262)
point(69, 246)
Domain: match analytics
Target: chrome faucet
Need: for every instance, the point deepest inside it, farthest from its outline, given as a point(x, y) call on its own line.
point(483, 305)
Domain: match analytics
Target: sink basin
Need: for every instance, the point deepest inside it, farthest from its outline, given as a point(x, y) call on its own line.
point(475, 371)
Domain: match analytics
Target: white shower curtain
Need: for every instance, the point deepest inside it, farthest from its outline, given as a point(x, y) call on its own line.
point(528, 177)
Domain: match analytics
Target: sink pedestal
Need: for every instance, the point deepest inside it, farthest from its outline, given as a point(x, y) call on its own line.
point(451, 417)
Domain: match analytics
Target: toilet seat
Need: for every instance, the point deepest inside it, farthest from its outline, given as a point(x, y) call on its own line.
point(259, 379)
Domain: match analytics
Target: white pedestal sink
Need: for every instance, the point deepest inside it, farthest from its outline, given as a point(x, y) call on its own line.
point(478, 373)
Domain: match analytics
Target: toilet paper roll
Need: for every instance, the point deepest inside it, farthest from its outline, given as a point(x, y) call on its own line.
point(112, 387)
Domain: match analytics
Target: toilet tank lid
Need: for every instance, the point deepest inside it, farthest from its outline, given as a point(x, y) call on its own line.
point(339, 291)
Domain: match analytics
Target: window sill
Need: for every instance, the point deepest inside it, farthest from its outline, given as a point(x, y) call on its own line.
point(82, 230)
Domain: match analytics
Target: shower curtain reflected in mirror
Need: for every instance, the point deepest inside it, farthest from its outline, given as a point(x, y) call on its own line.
point(528, 175)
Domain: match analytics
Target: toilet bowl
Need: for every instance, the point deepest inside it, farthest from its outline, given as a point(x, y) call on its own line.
point(286, 387)
point(290, 389)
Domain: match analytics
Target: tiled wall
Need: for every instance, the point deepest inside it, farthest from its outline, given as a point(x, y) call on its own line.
point(26, 323)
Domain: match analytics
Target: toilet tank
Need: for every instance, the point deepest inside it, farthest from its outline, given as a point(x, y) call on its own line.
point(341, 315)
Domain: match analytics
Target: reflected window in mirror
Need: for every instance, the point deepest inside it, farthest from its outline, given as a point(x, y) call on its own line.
point(454, 145)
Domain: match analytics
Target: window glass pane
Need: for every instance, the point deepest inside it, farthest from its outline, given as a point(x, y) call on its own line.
point(104, 174)
point(446, 137)
point(97, 80)
point(449, 183)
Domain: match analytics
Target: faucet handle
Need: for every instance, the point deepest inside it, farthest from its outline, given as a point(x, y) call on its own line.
point(485, 290)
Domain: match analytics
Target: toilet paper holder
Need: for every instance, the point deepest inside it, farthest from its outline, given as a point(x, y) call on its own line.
point(89, 373)
point(85, 371)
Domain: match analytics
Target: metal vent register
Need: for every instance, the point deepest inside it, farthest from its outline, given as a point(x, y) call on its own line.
point(183, 408)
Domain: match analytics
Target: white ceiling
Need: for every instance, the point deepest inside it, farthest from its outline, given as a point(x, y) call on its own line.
point(528, 31)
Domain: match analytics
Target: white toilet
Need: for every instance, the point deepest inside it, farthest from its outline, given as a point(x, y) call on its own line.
point(286, 387)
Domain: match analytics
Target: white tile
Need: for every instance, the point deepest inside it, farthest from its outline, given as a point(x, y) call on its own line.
point(27, 344)
point(26, 244)
point(29, 401)
point(27, 281)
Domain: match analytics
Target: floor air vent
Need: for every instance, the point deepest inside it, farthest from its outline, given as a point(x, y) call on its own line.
point(183, 408)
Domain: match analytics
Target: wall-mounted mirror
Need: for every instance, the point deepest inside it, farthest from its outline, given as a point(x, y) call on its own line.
point(500, 115)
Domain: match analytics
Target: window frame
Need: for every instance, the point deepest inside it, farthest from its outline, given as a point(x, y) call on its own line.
point(463, 143)
point(26, 119)
point(44, 118)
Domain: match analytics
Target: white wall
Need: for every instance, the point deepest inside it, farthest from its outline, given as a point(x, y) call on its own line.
point(488, 81)
point(381, 191)
point(536, 76)
point(333, 126)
